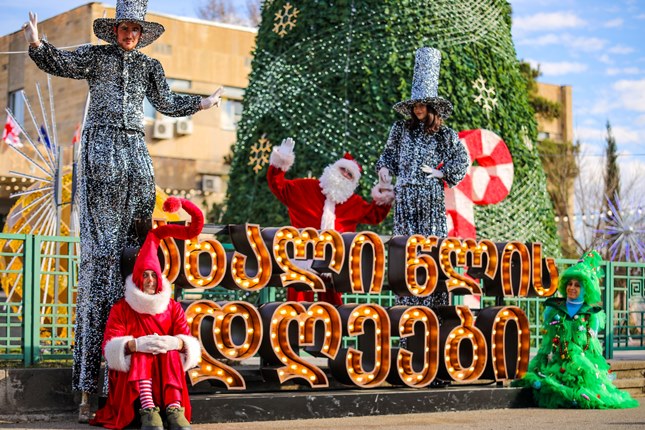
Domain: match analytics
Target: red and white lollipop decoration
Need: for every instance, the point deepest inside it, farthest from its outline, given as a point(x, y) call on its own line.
point(488, 180)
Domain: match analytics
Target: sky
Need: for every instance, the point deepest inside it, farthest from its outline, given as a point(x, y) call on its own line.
point(596, 46)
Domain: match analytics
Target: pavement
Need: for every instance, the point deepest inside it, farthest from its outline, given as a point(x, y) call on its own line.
point(528, 418)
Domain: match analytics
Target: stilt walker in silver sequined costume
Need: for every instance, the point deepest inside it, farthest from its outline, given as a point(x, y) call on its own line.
point(423, 154)
point(116, 174)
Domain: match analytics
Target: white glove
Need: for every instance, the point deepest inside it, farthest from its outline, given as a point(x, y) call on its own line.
point(169, 343)
point(30, 29)
point(212, 100)
point(432, 172)
point(149, 344)
point(286, 147)
point(384, 176)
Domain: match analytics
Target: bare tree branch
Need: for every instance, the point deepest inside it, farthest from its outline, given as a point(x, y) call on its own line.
point(230, 12)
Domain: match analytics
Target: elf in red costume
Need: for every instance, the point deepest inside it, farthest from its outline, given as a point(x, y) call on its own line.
point(326, 203)
point(147, 343)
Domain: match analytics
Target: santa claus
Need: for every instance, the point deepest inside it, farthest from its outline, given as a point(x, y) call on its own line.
point(326, 203)
point(147, 343)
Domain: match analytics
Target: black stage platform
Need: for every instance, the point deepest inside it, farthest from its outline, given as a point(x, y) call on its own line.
point(291, 405)
point(268, 401)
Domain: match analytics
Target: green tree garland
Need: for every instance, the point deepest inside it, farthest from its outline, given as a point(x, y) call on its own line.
point(327, 73)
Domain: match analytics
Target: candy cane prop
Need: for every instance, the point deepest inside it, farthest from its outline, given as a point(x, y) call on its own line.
point(487, 183)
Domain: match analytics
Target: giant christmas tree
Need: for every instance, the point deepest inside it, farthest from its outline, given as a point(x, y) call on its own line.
point(327, 73)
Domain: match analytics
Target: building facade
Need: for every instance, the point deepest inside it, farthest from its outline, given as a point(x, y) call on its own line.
point(189, 154)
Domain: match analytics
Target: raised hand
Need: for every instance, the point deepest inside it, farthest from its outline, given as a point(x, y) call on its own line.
point(213, 100)
point(286, 147)
point(384, 176)
point(30, 29)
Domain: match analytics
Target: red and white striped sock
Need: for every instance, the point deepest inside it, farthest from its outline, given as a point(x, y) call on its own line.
point(174, 405)
point(145, 394)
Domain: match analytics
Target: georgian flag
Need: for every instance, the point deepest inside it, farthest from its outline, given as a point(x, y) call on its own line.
point(11, 133)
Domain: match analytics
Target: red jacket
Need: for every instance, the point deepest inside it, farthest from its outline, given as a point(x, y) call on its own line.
point(305, 201)
point(139, 314)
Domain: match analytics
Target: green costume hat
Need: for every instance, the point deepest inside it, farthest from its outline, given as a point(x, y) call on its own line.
point(588, 272)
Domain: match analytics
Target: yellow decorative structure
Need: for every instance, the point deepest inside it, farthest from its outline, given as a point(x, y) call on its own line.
point(34, 213)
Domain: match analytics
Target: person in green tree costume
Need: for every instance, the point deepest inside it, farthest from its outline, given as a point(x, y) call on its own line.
point(569, 370)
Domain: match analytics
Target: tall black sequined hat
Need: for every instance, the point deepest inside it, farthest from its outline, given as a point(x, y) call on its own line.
point(129, 11)
point(425, 83)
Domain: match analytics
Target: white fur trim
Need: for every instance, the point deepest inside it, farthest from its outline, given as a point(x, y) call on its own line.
point(143, 303)
point(115, 356)
point(282, 161)
point(328, 220)
point(382, 196)
point(192, 351)
point(351, 166)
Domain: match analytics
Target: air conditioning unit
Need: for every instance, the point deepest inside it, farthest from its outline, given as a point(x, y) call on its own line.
point(211, 183)
point(184, 126)
point(162, 130)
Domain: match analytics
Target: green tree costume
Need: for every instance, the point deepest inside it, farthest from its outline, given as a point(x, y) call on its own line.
point(569, 370)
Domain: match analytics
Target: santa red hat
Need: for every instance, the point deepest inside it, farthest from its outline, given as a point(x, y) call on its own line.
point(350, 163)
point(147, 258)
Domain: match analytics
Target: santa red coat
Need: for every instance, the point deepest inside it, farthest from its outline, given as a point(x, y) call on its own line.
point(305, 203)
point(139, 314)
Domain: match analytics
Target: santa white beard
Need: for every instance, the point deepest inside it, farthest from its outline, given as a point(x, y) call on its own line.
point(335, 186)
point(337, 189)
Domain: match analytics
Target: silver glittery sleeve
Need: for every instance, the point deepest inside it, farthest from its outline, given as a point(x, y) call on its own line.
point(166, 101)
point(66, 64)
point(391, 154)
point(455, 158)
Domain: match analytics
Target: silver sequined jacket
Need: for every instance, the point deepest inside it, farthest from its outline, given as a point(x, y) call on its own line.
point(407, 151)
point(118, 81)
point(419, 197)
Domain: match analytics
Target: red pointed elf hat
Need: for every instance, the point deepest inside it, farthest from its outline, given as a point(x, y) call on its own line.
point(147, 258)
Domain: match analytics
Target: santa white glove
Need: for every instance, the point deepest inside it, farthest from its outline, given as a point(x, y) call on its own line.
point(212, 100)
point(383, 191)
point(286, 147)
point(149, 344)
point(384, 176)
point(30, 29)
point(169, 343)
point(432, 172)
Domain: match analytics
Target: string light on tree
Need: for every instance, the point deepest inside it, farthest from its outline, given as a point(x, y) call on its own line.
point(331, 81)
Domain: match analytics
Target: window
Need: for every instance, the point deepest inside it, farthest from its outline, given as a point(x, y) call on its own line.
point(231, 107)
point(17, 106)
point(149, 111)
point(231, 113)
point(177, 85)
point(543, 135)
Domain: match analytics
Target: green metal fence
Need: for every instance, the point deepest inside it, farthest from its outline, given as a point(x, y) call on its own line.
point(39, 277)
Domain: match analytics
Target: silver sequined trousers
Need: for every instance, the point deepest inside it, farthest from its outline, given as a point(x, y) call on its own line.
point(116, 187)
point(419, 198)
point(116, 178)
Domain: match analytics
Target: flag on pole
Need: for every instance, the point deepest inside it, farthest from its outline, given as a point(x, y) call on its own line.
point(11, 133)
point(43, 133)
point(77, 134)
